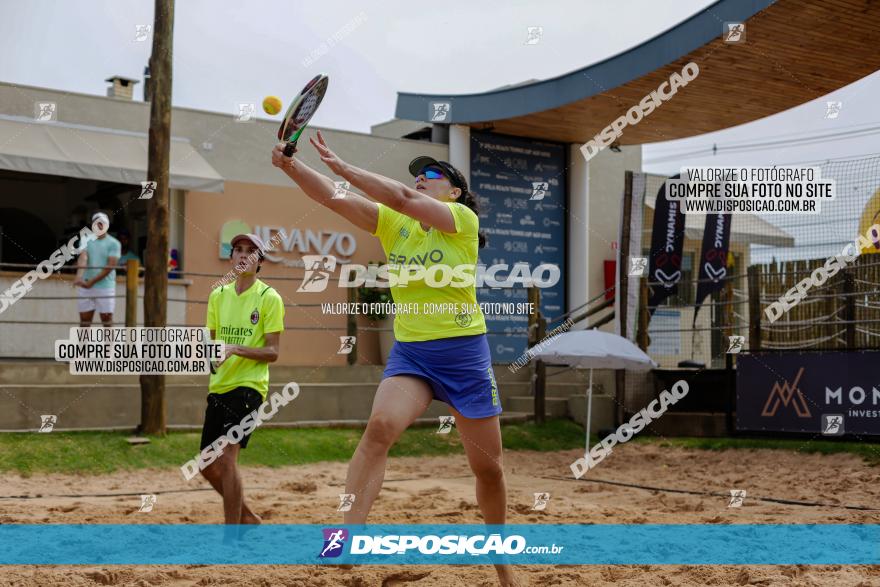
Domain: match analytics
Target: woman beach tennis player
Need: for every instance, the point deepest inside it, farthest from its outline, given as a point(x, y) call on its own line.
point(440, 354)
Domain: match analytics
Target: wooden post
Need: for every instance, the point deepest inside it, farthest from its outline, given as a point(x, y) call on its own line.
point(754, 281)
point(643, 339)
point(132, 268)
point(624, 252)
point(729, 358)
point(540, 376)
point(351, 324)
point(158, 163)
point(534, 297)
point(537, 325)
point(849, 305)
point(727, 310)
point(622, 291)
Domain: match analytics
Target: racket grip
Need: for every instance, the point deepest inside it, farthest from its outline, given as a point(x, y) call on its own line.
point(288, 149)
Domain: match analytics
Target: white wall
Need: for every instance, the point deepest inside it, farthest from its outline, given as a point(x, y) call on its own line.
point(578, 232)
point(606, 178)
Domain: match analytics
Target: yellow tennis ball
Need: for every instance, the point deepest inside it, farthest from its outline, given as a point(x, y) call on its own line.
point(272, 105)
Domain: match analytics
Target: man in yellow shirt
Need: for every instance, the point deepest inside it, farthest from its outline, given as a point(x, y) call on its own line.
point(248, 316)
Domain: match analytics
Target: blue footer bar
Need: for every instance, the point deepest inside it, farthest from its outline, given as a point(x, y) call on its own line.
point(405, 544)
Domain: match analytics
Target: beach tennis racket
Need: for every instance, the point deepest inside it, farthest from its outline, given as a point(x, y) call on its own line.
point(301, 111)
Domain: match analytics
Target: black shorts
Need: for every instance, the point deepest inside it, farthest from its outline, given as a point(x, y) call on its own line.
point(226, 410)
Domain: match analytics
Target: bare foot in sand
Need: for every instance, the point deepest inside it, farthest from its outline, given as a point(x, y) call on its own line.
point(506, 576)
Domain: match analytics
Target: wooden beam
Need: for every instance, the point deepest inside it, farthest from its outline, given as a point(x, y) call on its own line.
point(158, 164)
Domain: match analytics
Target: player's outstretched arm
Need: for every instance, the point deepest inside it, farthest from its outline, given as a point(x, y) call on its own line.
point(353, 207)
point(392, 193)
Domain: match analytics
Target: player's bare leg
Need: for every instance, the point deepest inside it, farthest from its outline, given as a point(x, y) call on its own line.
point(398, 402)
point(481, 439)
point(107, 320)
point(224, 477)
point(85, 318)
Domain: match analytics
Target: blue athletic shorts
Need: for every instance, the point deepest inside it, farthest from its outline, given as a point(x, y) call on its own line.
point(459, 370)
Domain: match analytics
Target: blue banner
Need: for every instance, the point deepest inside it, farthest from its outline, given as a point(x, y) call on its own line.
point(520, 184)
point(401, 544)
point(831, 393)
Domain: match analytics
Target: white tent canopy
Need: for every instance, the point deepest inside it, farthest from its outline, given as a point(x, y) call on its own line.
point(88, 152)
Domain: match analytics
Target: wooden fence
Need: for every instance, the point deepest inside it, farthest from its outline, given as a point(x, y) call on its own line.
point(841, 313)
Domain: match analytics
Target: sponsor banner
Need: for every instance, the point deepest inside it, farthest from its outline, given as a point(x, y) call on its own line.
point(713, 257)
point(667, 241)
point(520, 184)
point(809, 392)
point(401, 544)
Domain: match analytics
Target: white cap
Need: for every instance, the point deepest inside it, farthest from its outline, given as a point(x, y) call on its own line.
point(103, 219)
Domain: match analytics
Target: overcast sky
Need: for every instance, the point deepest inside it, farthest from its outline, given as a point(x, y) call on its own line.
point(229, 52)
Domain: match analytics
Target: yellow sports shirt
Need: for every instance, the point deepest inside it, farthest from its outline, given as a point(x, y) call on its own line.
point(425, 260)
point(244, 320)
